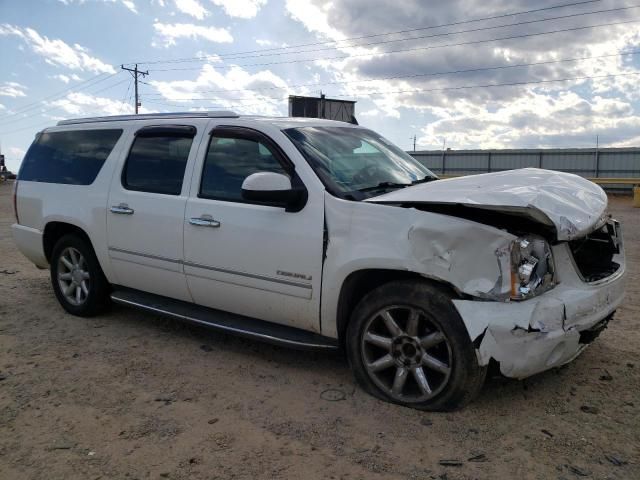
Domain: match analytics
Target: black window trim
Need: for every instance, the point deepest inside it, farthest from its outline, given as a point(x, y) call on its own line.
point(149, 131)
point(248, 133)
point(42, 132)
point(185, 131)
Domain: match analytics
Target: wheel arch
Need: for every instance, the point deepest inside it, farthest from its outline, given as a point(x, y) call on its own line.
point(55, 230)
point(360, 282)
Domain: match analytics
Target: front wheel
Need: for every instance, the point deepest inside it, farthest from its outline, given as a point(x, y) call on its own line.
point(407, 344)
point(77, 279)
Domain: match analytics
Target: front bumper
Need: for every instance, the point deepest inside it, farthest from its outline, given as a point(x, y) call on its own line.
point(546, 331)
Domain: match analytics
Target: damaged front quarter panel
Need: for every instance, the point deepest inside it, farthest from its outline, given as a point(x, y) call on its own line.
point(470, 257)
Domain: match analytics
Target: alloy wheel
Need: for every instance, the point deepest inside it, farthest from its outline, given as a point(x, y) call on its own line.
point(406, 354)
point(73, 276)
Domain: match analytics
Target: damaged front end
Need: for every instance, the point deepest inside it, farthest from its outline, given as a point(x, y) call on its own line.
point(553, 327)
point(563, 269)
point(532, 267)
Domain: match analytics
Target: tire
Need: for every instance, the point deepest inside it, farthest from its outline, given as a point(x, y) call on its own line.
point(428, 362)
point(74, 267)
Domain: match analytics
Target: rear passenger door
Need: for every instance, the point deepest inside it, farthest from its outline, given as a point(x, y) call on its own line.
point(146, 206)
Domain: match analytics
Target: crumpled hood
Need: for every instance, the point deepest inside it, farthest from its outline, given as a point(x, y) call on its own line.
point(573, 205)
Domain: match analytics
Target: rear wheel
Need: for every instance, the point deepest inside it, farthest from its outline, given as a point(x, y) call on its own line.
point(408, 345)
point(76, 277)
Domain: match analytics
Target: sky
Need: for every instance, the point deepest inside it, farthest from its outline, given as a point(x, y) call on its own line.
point(458, 73)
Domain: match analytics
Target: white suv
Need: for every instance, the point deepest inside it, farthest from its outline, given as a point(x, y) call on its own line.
point(319, 234)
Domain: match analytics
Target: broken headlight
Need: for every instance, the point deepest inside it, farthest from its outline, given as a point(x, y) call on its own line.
point(532, 267)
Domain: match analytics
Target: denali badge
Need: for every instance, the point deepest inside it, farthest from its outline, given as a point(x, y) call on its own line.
point(294, 275)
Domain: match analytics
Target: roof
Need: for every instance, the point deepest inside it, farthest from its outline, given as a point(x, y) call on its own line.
point(280, 122)
point(151, 116)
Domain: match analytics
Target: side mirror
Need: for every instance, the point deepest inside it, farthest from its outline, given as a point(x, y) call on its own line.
point(274, 188)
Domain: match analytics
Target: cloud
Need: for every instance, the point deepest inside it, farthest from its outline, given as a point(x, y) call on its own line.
point(12, 89)
point(538, 120)
point(313, 17)
point(240, 8)
point(67, 78)
point(233, 89)
point(374, 112)
point(129, 4)
point(263, 42)
point(62, 78)
point(56, 52)
point(170, 33)
point(479, 116)
point(192, 7)
point(83, 104)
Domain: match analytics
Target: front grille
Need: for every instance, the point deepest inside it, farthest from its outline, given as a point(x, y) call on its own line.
point(594, 254)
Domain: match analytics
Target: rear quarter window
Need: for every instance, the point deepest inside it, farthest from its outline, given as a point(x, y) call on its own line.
point(72, 158)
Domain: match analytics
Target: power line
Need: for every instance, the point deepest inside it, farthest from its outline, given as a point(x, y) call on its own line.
point(443, 89)
point(444, 34)
point(126, 93)
point(229, 105)
point(58, 107)
point(405, 50)
point(491, 85)
point(462, 22)
point(32, 105)
point(37, 125)
point(129, 98)
point(418, 75)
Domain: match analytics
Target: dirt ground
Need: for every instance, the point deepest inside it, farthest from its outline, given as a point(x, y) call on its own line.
point(131, 395)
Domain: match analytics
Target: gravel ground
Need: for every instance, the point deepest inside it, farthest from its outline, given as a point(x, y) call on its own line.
point(131, 395)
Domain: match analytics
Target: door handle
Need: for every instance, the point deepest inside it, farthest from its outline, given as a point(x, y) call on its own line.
point(122, 209)
point(204, 222)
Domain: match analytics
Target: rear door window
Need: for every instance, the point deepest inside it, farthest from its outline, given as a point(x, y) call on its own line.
point(157, 159)
point(72, 157)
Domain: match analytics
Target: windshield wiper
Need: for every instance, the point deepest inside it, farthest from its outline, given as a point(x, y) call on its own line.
point(424, 180)
point(394, 185)
point(384, 185)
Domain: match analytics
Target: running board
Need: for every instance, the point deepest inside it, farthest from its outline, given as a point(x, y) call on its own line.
point(223, 321)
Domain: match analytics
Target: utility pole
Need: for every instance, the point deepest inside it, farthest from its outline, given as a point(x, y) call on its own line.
point(136, 73)
point(414, 143)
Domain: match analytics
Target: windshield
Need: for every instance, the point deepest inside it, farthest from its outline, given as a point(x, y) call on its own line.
point(356, 163)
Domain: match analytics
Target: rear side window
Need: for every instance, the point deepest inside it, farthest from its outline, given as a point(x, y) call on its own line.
point(73, 157)
point(229, 161)
point(157, 160)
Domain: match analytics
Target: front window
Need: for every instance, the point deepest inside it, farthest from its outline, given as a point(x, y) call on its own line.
point(355, 163)
point(230, 160)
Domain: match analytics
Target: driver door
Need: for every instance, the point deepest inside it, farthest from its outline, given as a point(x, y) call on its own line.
point(250, 258)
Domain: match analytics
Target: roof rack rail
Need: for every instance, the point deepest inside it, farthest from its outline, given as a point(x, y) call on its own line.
point(152, 116)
